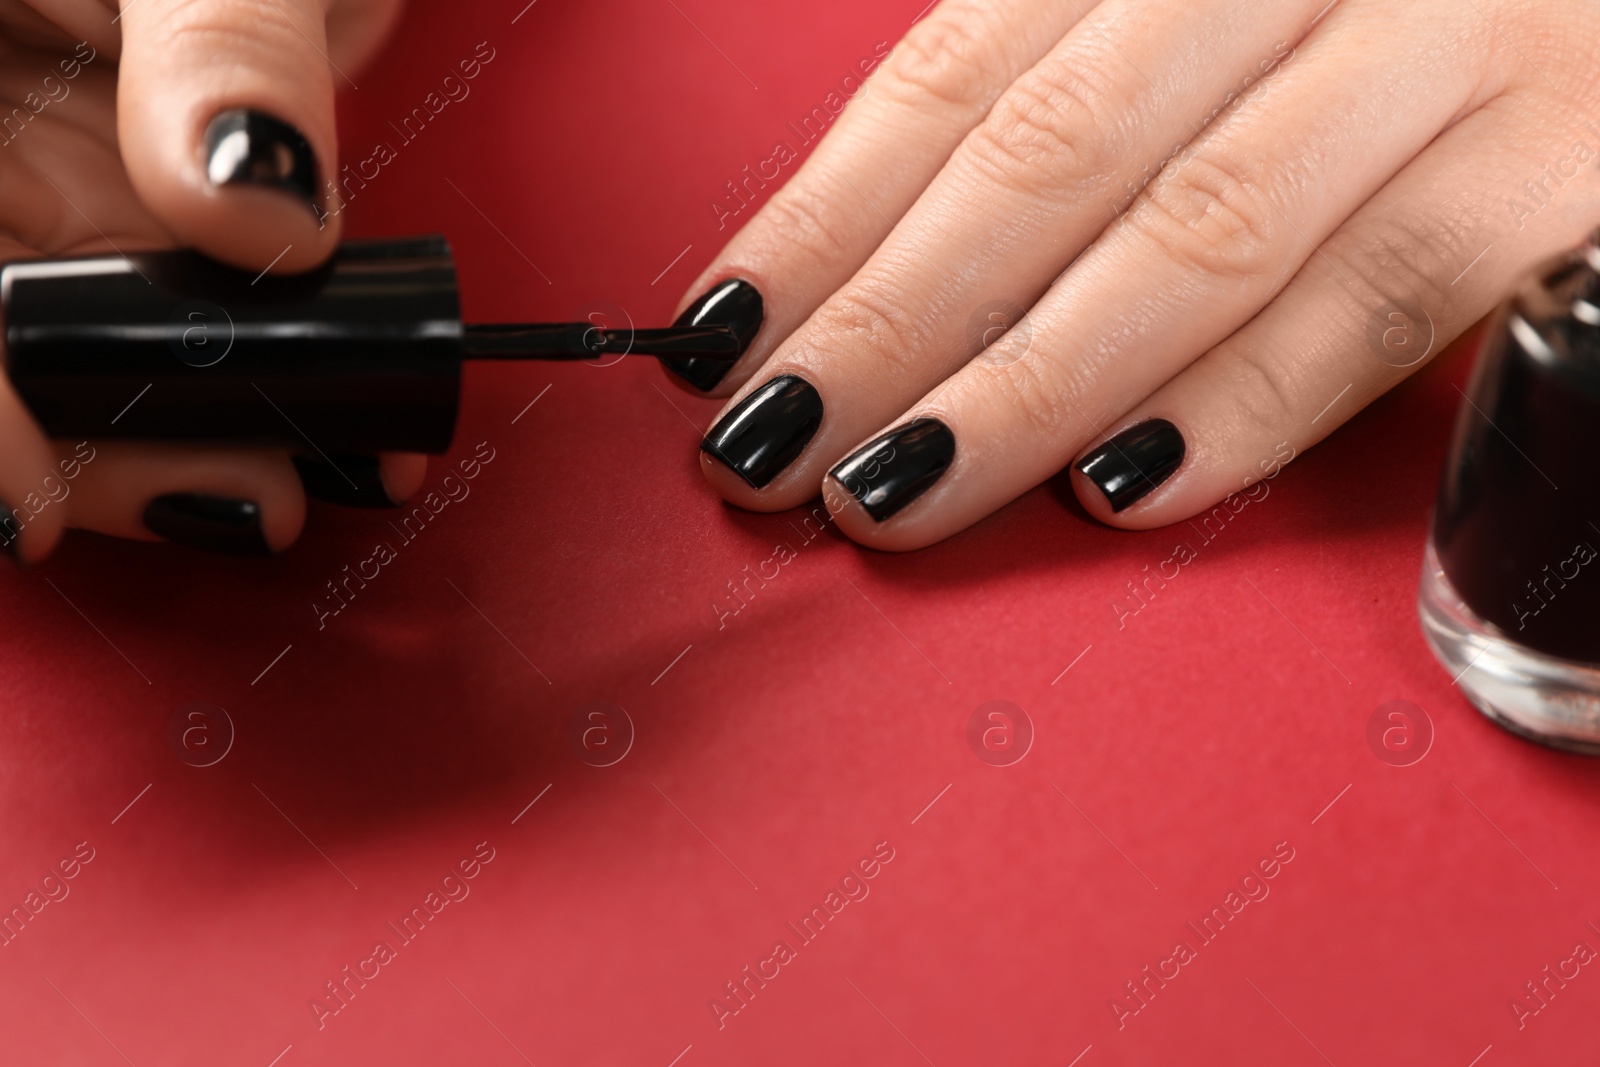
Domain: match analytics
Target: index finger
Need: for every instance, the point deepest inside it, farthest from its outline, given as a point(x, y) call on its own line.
point(876, 159)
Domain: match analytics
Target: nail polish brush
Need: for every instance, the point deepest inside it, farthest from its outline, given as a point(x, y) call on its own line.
point(363, 354)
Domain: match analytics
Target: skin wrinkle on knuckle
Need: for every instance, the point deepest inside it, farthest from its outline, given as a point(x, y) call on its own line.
point(863, 319)
point(285, 41)
point(1262, 391)
point(274, 44)
point(802, 217)
point(1405, 261)
point(1048, 135)
point(1034, 401)
point(1210, 216)
point(947, 60)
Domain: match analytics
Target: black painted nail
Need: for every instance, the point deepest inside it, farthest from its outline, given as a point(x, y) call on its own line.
point(210, 523)
point(766, 430)
point(356, 481)
point(252, 147)
point(734, 303)
point(891, 471)
point(1130, 465)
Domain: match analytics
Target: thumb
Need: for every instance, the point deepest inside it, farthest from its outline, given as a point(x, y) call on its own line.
point(225, 118)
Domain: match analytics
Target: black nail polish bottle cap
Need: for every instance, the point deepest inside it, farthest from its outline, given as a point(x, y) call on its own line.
point(1517, 523)
point(362, 354)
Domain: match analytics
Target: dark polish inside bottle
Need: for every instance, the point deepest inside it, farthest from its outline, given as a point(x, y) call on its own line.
point(1517, 524)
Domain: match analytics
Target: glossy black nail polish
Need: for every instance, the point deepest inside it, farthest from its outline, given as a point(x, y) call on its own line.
point(1512, 572)
point(255, 148)
point(891, 471)
point(766, 430)
point(734, 303)
point(1130, 465)
point(210, 523)
point(356, 481)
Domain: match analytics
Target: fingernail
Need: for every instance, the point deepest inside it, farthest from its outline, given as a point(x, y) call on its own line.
point(255, 148)
point(356, 481)
point(209, 523)
point(891, 471)
point(1130, 465)
point(734, 303)
point(766, 430)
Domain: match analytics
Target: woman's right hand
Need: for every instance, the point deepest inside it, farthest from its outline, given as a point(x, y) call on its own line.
point(197, 123)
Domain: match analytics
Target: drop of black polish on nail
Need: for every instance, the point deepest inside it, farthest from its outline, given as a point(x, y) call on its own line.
point(1130, 466)
point(734, 303)
point(889, 472)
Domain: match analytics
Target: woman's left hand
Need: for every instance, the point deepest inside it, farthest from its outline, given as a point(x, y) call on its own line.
point(1173, 243)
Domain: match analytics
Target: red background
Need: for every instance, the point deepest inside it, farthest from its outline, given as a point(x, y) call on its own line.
point(774, 753)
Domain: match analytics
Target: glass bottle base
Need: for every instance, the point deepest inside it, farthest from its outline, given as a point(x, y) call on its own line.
point(1552, 701)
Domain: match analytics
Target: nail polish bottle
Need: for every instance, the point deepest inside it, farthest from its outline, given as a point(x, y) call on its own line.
point(1510, 598)
point(363, 354)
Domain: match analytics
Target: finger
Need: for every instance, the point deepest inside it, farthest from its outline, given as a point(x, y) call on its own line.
point(31, 483)
point(65, 24)
point(62, 187)
point(233, 501)
point(876, 158)
point(34, 481)
point(402, 474)
point(1207, 245)
point(1404, 277)
point(225, 117)
point(1027, 190)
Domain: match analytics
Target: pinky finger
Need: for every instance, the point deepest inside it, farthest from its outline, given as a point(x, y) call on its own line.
point(30, 484)
point(233, 501)
point(1414, 268)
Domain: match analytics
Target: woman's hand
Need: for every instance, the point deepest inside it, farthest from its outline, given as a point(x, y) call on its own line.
point(201, 123)
point(1173, 243)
